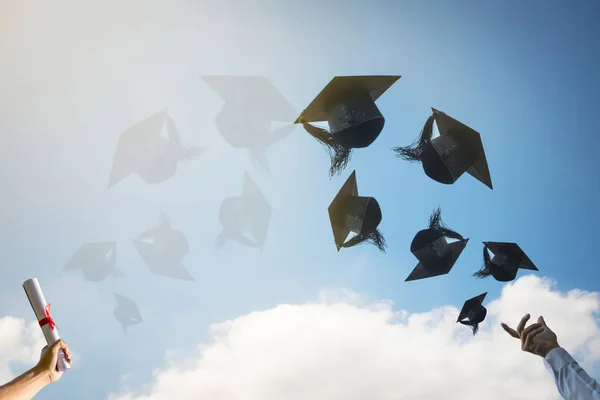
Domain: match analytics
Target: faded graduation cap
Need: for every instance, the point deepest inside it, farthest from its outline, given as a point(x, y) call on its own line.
point(163, 250)
point(458, 149)
point(436, 256)
point(361, 215)
point(252, 105)
point(126, 312)
point(474, 312)
point(143, 150)
point(249, 213)
point(347, 103)
point(508, 258)
point(96, 260)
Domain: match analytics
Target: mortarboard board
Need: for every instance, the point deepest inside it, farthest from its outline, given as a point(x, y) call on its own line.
point(163, 250)
point(347, 103)
point(436, 256)
point(96, 260)
point(349, 212)
point(508, 258)
point(252, 104)
point(474, 311)
point(248, 213)
point(126, 312)
point(458, 149)
point(144, 151)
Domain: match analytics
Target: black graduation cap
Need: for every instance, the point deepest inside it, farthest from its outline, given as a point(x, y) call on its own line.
point(248, 213)
point(347, 103)
point(126, 312)
point(458, 149)
point(508, 258)
point(96, 260)
point(474, 312)
point(163, 250)
point(252, 104)
point(349, 212)
point(144, 151)
point(436, 256)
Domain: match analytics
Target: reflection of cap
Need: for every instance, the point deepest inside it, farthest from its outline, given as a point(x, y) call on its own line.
point(474, 312)
point(126, 312)
point(163, 250)
point(248, 213)
point(350, 212)
point(142, 150)
point(508, 258)
point(458, 149)
point(96, 260)
point(436, 256)
point(347, 103)
point(252, 104)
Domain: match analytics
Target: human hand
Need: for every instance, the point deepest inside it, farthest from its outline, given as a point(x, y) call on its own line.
point(49, 360)
point(536, 339)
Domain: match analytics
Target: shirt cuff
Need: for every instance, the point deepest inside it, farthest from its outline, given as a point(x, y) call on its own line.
point(557, 358)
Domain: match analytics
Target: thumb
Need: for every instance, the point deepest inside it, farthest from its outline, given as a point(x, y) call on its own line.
point(541, 321)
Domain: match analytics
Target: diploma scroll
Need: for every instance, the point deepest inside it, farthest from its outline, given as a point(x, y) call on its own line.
point(42, 312)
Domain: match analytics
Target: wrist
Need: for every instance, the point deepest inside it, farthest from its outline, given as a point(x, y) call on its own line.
point(41, 375)
point(550, 348)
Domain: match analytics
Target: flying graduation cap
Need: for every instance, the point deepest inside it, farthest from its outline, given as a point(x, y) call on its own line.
point(252, 104)
point(143, 150)
point(436, 256)
point(508, 258)
point(163, 250)
point(126, 312)
point(347, 103)
point(349, 212)
point(458, 149)
point(249, 213)
point(474, 312)
point(96, 260)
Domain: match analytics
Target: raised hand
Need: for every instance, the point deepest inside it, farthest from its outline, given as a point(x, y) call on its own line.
point(536, 339)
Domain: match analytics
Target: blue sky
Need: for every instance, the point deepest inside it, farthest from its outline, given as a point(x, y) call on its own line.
point(524, 74)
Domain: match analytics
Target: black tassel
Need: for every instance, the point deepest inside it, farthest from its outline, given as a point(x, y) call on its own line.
point(485, 269)
point(474, 327)
point(339, 155)
point(414, 152)
point(375, 238)
point(435, 223)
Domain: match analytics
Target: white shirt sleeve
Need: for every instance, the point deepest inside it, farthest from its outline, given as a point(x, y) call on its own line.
point(572, 382)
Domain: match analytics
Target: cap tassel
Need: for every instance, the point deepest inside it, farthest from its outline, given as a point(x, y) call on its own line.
point(435, 223)
point(375, 238)
point(485, 269)
point(186, 154)
point(414, 152)
point(474, 326)
point(259, 156)
point(340, 156)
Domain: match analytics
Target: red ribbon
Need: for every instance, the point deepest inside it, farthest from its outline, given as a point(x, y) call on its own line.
point(48, 320)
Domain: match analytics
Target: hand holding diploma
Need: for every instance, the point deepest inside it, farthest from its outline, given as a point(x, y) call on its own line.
point(42, 312)
point(48, 364)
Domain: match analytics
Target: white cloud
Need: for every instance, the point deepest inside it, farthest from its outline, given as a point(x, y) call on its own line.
point(19, 343)
point(340, 348)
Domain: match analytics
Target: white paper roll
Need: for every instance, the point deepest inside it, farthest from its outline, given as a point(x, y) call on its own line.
point(38, 303)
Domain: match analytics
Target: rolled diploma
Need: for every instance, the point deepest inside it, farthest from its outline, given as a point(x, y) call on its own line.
point(38, 303)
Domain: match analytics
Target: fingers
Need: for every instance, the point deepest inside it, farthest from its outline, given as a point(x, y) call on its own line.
point(510, 331)
point(542, 321)
point(522, 323)
point(528, 339)
point(527, 331)
point(61, 345)
point(67, 352)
